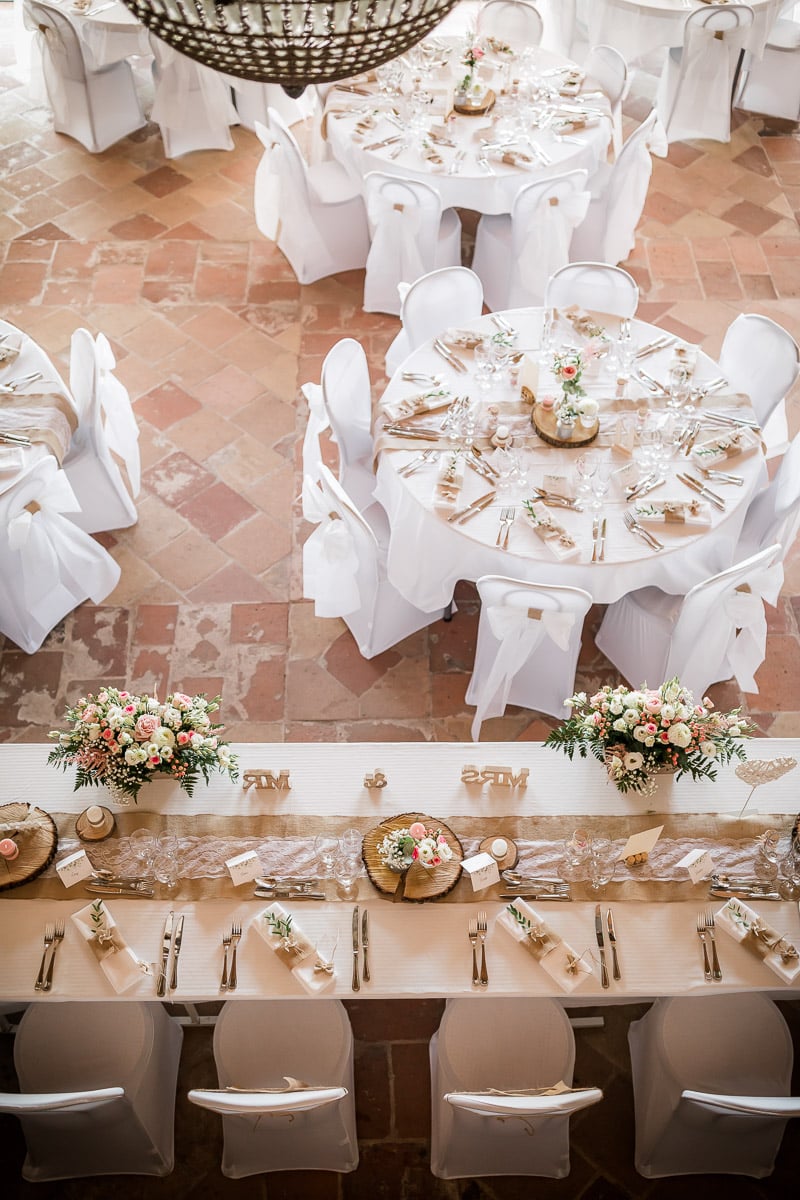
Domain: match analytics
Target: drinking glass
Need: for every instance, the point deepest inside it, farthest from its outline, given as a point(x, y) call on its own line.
point(602, 863)
point(624, 358)
point(326, 847)
point(574, 865)
point(768, 855)
point(350, 842)
point(144, 847)
point(789, 873)
point(166, 868)
point(346, 872)
point(585, 467)
point(548, 321)
point(679, 386)
point(484, 365)
point(601, 482)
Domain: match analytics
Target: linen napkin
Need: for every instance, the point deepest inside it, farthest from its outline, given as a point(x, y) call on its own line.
point(449, 482)
point(117, 961)
point(745, 926)
point(423, 402)
point(736, 444)
point(561, 544)
point(552, 953)
point(679, 515)
point(295, 951)
point(10, 347)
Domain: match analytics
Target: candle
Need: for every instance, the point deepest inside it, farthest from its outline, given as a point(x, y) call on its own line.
point(8, 849)
point(547, 402)
point(94, 815)
point(499, 848)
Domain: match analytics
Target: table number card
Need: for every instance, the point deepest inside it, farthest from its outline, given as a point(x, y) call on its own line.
point(244, 867)
point(74, 868)
point(482, 870)
point(699, 864)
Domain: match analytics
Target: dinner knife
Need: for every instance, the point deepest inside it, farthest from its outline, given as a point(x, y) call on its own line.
point(365, 943)
point(598, 930)
point(356, 984)
point(176, 949)
point(471, 510)
point(702, 490)
point(602, 552)
point(612, 937)
point(117, 889)
point(521, 894)
point(166, 945)
point(449, 357)
point(287, 894)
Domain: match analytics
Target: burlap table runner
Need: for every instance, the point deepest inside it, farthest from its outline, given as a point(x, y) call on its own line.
point(47, 417)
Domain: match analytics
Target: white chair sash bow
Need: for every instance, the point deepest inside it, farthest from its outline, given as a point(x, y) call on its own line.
point(545, 246)
point(745, 609)
point(267, 198)
point(519, 631)
point(122, 432)
point(330, 561)
point(394, 251)
point(317, 423)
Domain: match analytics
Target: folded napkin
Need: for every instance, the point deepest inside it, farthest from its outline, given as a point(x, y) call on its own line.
point(583, 322)
point(449, 482)
point(10, 347)
point(10, 459)
point(295, 951)
point(523, 1101)
point(553, 954)
point(680, 515)
point(117, 961)
point(561, 544)
point(736, 444)
point(574, 124)
point(570, 82)
point(745, 925)
point(412, 406)
point(461, 339)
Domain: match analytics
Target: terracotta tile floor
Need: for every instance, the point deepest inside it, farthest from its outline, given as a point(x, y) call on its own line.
point(213, 337)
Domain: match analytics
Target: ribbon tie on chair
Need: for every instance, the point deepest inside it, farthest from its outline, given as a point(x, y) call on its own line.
point(519, 631)
point(122, 432)
point(394, 252)
point(545, 246)
point(330, 561)
point(317, 423)
point(745, 609)
point(267, 199)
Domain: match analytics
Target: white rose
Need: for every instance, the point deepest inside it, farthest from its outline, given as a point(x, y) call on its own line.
point(631, 716)
point(196, 740)
point(164, 737)
point(223, 756)
point(115, 716)
point(708, 748)
point(615, 707)
point(734, 730)
point(152, 704)
point(633, 761)
point(649, 741)
point(620, 726)
point(672, 691)
point(124, 738)
point(679, 734)
point(94, 733)
point(134, 755)
point(166, 753)
point(641, 734)
point(630, 699)
point(667, 712)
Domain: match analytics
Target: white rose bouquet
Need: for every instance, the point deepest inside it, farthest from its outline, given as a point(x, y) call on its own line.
point(403, 847)
point(122, 741)
point(636, 732)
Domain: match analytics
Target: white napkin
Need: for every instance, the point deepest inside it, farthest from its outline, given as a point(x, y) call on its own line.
point(121, 967)
point(10, 458)
point(312, 980)
point(685, 515)
point(555, 960)
point(725, 920)
point(10, 347)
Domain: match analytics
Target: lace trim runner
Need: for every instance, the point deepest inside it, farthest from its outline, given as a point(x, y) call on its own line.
point(288, 849)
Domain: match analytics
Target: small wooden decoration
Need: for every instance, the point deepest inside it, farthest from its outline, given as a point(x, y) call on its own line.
point(545, 422)
point(497, 776)
point(376, 780)
point(266, 780)
point(421, 884)
point(35, 833)
point(477, 109)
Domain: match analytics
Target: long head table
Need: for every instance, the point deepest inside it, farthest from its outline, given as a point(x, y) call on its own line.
point(416, 950)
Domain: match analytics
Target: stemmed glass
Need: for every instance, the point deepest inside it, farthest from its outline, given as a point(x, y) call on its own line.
point(601, 482)
point(484, 365)
point(326, 847)
point(574, 865)
point(602, 863)
point(585, 467)
point(768, 855)
point(144, 848)
point(347, 870)
point(789, 880)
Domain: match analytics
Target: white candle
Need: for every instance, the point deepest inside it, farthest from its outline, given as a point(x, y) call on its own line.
point(94, 815)
point(499, 848)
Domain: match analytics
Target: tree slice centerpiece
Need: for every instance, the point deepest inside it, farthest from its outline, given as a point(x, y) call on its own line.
point(422, 883)
point(545, 422)
point(35, 833)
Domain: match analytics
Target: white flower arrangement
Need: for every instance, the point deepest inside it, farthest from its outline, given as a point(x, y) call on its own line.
point(403, 847)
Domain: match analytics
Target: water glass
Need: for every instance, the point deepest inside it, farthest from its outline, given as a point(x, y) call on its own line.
point(624, 358)
point(585, 467)
point(601, 482)
point(166, 869)
point(680, 388)
point(768, 855)
point(144, 846)
point(351, 842)
point(789, 873)
point(574, 865)
point(602, 863)
point(484, 365)
point(347, 871)
point(326, 847)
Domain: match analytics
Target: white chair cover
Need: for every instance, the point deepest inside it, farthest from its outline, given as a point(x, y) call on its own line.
point(516, 255)
point(267, 194)
point(773, 514)
point(443, 298)
point(558, 18)
point(382, 617)
point(650, 636)
point(410, 236)
point(595, 286)
point(694, 93)
point(98, 1087)
point(253, 100)
point(606, 67)
point(761, 358)
point(317, 424)
point(192, 104)
point(49, 565)
point(529, 639)
point(347, 401)
point(771, 85)
point(515, 22)
point(506, 1046)
point(608, 234)
point(737, 1046)
point(261, 1044)
point(96, 107)
point(102, 464)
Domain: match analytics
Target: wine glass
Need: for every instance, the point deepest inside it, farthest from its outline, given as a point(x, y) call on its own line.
point(326, 847)
point(585, 467)
point(768, 855)
point(602, 863)
point(484, 365)
point(350, 842)
point(601, 482)
point(574, 865)
point(144, 847)
point(346, 872)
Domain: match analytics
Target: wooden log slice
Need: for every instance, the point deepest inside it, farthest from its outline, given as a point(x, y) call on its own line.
point(35, 833)
point(544, 421)
point(421, 884)
point(476, 110)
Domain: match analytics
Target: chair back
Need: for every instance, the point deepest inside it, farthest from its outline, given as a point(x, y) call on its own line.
point(543, 217)
point(700, 103)
point(60, 38)
point(627, 187)
point(347, 399)
point(293, 166)
point(773, 514)
point(515, 22)
point(340, 559)
point(267, 188)
point(761, 358)
point(404, 216)
point(605, 66)
point(705, 646)
point(107, 428)
point(192, 103)
point(598, 287)
point(449, 296)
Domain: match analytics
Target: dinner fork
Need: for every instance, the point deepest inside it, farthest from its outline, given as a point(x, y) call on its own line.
point(701, 933)
point(223, 983)
point(473, 937)
point(506, 516)
point(49, 934)
point(236, 933)
point(418, 462)
point(483, 929)
point(23, 381)
point(58, 937)
point(633, 525)
point(716, 971)
point(487, 166)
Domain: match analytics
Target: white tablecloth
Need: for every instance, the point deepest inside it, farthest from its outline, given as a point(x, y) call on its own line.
point(17, 462)
point(427, 555)
point(638, 27)
point(415, 950)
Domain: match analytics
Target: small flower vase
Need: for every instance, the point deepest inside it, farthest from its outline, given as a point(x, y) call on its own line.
point(565, 421)
point(471, 90)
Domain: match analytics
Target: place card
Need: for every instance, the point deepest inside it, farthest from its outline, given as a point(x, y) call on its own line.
point(244, 867)
point(74, 868)
point(482, 870)
point(557, 484)
point(640, 844)
point(699, 864)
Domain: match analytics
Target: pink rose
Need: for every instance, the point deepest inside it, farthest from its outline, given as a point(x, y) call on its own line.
point(129, 708)
point(145, 727)
point(181, 700)
point(417, 830)
point(183, 738)
point(569, 372)
point(108, 734)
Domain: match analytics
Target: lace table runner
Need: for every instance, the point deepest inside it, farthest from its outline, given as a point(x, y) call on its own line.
point(284, 846)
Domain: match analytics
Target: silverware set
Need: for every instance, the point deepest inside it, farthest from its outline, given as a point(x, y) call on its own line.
point(648, 483)
point(554, 500)
point(726, 419)
point(650, 383)
point(447, 354)
point(633, 525)
point(287, 887)
point(171, 941)
point(13, 384)
point(53, 937)
point(106, 883)
point(724, 887)
point(706, 389)
point(705, 929)
point(422, 378)
point(599, 539)
point(698, 486)
point(230, 941)
point(653, 347)
point(534, 887)
point(502, 324)
point(427, 456)
point(484, 163)
point(472, 510)
point(721, 476)
point(15, 439)
point(455, 165)
point(478, 927)
point(507, 518)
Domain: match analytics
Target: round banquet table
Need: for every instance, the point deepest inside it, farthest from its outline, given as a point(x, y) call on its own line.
point(427, 555)
point(470, 185)
point(109, 32)
point(639, 27)
point(16, 461)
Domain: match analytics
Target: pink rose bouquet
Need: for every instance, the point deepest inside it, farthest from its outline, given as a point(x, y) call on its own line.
point(122, 741)
point(403, 847)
